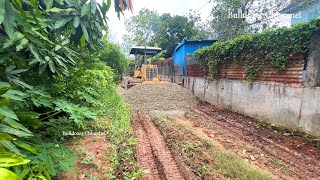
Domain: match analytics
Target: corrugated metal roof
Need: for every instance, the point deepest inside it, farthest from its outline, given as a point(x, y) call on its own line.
point(141, 49)
point(194, 41)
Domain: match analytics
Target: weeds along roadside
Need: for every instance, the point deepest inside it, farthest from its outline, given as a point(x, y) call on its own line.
point(54, 78)
point(94, 85)
point(117, 125)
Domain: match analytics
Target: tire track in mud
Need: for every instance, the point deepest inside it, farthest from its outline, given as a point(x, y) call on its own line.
point(303, 165)
point(152, 152)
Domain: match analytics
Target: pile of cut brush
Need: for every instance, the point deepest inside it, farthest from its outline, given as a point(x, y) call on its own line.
point(158, 97)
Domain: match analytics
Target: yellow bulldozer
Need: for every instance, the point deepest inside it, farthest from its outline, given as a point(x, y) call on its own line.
point(147, 73)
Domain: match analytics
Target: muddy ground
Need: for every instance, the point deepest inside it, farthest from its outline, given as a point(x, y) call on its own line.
point(204, 142)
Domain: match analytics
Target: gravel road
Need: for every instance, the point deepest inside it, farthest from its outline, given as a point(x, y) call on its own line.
point(160, 97)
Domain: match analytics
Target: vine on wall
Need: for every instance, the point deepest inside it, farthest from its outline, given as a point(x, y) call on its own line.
point(258, 51)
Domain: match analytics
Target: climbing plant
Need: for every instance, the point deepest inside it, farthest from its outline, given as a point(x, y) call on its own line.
point(269, 48)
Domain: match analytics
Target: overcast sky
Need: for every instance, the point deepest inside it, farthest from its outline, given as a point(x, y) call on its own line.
point(180, 7)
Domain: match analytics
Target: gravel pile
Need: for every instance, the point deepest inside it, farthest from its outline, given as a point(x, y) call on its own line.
point(159, 97)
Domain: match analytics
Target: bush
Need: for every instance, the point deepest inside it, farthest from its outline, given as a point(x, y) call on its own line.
point(269, 47)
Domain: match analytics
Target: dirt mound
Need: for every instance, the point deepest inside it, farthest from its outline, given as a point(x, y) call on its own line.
point(161, 97)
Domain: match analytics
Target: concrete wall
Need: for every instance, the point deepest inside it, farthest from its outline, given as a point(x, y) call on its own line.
point(291, 106)
point(172, 78)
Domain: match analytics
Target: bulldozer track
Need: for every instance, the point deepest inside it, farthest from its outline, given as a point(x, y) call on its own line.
point(152, 152)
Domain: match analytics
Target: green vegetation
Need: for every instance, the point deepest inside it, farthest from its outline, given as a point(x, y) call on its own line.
point(117, 125)
point(151, 29)
point(279, 166)
point(259, 51)
point(261, 17)
point(158, 57)
point(55, 78)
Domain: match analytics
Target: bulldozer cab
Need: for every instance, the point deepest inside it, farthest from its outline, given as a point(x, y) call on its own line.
point(147, 72)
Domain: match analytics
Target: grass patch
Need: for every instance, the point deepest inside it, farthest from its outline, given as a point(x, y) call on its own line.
point(289, 132)
point(279, 166)
point(117, 125)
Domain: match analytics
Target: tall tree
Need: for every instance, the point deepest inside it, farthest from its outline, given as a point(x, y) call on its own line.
point(150, 28)
point(232, 18)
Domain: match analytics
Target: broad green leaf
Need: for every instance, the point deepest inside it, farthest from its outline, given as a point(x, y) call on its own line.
point(20, 83)
point(58, 10)
point(52, 66)
point(14, 95)
point(6, 137)
point(62, 22)
point(85, 32)
point(27, 115)
point(3, 90)
point(13, 39)
point(10, 130)
point(2, 11)
point(8, 159)
point(4, 101)
point(85, 9)
point(11, 147)
point(9, 23)
point(57, 48)
point(17, 71)
point(16, 125)
point(22, 171)
point(25, 146)
point(93, 5)
point(82, 41)
point(105, 7)
point(4, 110)
point(65, 42)
point(108, 4)
point(35, 52)
point(33, 61)
point(22, 44)
point(7, 174)
point(4, 84)
point(41, 177)
point(42, 67)
point(10, 68)
point(76, 22)
point(48, 3)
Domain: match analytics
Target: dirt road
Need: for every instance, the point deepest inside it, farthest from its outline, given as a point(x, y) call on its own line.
point(208, 143)
point(287, 156)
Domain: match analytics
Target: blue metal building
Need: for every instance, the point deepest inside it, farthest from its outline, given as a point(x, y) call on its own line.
point(188, 47)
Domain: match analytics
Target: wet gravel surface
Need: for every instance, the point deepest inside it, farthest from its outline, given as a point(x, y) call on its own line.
point(160, 97)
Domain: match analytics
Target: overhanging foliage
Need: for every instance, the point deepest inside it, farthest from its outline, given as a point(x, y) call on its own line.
point(271, 48)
